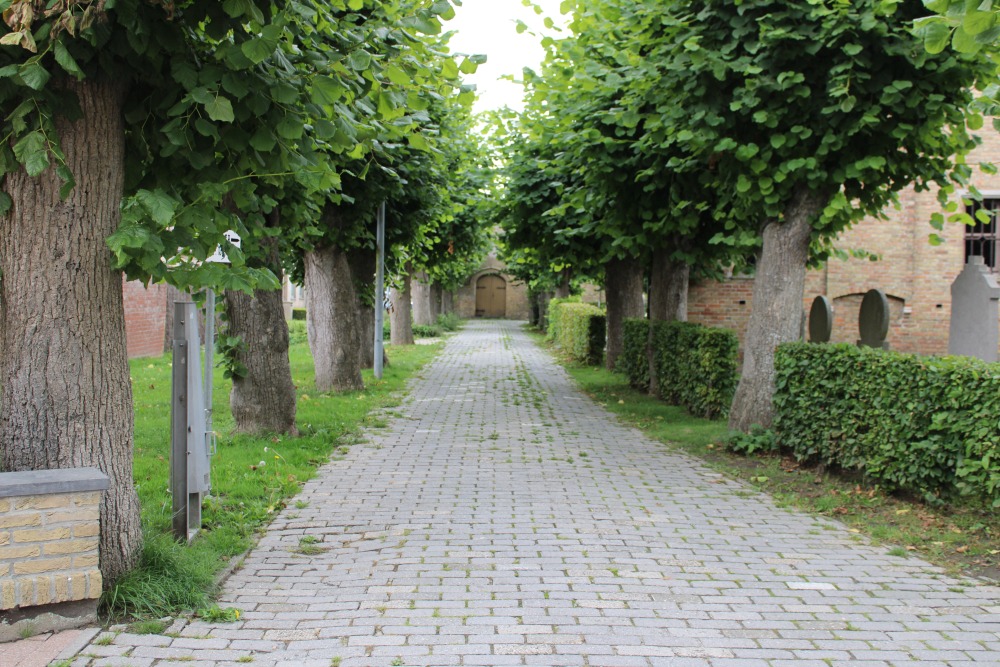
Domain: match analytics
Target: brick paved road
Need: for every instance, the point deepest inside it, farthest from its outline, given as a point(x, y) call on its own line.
point(507, 520)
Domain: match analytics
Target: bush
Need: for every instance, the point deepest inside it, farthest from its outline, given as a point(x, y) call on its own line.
point(757, 440)
point(696, 367)
point(427, 331)
point(924, 425)
point(449, 321)
point(297, 332)
point(551, 325)
point(633, 361)
point(299, 314)
point(579, 329)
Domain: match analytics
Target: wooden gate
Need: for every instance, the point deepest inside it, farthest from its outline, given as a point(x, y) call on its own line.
point(491, 296)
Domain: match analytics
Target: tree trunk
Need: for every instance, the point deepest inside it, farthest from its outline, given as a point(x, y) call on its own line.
point(362, 265)
point(447, 301)
point(776, 315)
point(668, 299)
point(420, 294)
point(66, 399)
point(623, 286)
point(401, 321)
point(563, 290)
point(437, 306)
point(543, 310)
point(332, 320)
point(263, 400)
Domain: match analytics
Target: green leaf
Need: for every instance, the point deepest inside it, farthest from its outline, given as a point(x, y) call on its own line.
point(976, 22)
point(257, 50)
point(963, 42)
point(220, 109)
point(34, 75)
point(263, 140)
point(397, 76)
point(32, 151)
point(5, 203)
point(158, 204)
point(359, 60)
point(66, 61)
point(326, 91)
point(356, 5)
point(937, 34)
point(419, 142)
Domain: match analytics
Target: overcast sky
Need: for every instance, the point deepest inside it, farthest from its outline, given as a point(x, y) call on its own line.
point(489, 27)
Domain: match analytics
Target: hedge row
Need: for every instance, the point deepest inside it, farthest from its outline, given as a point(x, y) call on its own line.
point(696, 366)
point(925, 425)
point(579, 329)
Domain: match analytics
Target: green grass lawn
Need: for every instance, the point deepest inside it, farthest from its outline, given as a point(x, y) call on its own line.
point(252, 477)
point(963, 536)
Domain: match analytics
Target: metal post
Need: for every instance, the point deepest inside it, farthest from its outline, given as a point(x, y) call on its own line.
point(179, 428)
point(209, 365)
point(379, 289)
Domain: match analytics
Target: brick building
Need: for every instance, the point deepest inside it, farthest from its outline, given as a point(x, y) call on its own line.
point(915, 275)
point(145, 318)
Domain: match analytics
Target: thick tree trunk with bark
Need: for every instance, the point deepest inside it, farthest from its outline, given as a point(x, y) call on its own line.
point(447, 301)
point(420, 294)
point(332, 320)
point(776, 315)
point(401, 320)
point(263, 400)
point(66, 397)
point(543, 310)
point(623, 286)
point(668, 299)
point(563, 290)
point(437, 305)
point(362, 264)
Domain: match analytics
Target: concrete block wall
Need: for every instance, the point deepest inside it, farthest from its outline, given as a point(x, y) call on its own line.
point(49, 529)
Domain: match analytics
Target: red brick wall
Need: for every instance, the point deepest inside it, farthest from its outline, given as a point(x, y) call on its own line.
point(914, 274)
point(145, 318)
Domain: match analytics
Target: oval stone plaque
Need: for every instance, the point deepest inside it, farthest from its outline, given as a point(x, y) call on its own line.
point(820, 320)
point(873, 321)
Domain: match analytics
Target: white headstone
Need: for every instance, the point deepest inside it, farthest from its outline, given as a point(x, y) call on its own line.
point(975, 311)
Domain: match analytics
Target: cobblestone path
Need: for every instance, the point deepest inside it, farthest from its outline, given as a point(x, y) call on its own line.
point(505, 519)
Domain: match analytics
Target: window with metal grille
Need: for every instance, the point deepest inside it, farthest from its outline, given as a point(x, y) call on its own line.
point(981, 237)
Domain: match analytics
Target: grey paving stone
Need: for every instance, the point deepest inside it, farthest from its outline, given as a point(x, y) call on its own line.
point(502, 518)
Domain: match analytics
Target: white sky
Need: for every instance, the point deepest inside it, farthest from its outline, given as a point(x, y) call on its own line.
point(489, 27)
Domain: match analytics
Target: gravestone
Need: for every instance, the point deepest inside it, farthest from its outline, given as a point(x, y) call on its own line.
point(975, 310)
point(873, 321)
point(820, 320)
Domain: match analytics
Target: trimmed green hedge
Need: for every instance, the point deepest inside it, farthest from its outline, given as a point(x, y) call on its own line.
point(633, 361)
point(696, 366)
point(924, 425)
point(579, 329)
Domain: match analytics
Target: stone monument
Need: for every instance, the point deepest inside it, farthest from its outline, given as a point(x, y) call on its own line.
point(820, 320)
point(873, 321)
point(975, 311)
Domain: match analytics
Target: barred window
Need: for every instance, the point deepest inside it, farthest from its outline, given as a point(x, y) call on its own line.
point(981, 238)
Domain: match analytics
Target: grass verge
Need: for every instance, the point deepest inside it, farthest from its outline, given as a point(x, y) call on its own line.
point(252, 477)
point(963, 537)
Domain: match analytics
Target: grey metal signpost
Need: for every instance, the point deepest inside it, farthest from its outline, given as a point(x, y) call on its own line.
point(192, 438)
point(379, 289)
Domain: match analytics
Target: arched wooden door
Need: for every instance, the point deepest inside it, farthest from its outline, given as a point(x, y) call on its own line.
point(491, 296)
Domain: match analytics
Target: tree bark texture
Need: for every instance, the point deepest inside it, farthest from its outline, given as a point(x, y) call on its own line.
point(668, 299)
point(447, 301)
point(623, 286)
point(332, 320)
point(776, 315)
point(420, 287)
point(66, 396)
point(437, 306)
point(563, 290)
point(401, 320)
point(362, 264)
point(263, 401)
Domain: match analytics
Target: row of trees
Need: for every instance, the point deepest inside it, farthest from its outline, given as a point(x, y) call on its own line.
point(151, 127)
point(664, 139)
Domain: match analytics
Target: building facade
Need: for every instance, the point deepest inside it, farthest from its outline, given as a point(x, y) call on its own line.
point(914, 274)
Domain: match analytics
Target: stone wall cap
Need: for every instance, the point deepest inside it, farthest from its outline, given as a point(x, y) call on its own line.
point(47, 482)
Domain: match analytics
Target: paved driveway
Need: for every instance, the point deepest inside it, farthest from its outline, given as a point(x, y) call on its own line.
point(505, 519)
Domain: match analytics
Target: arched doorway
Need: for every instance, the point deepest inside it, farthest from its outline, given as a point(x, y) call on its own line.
point(491, 296)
